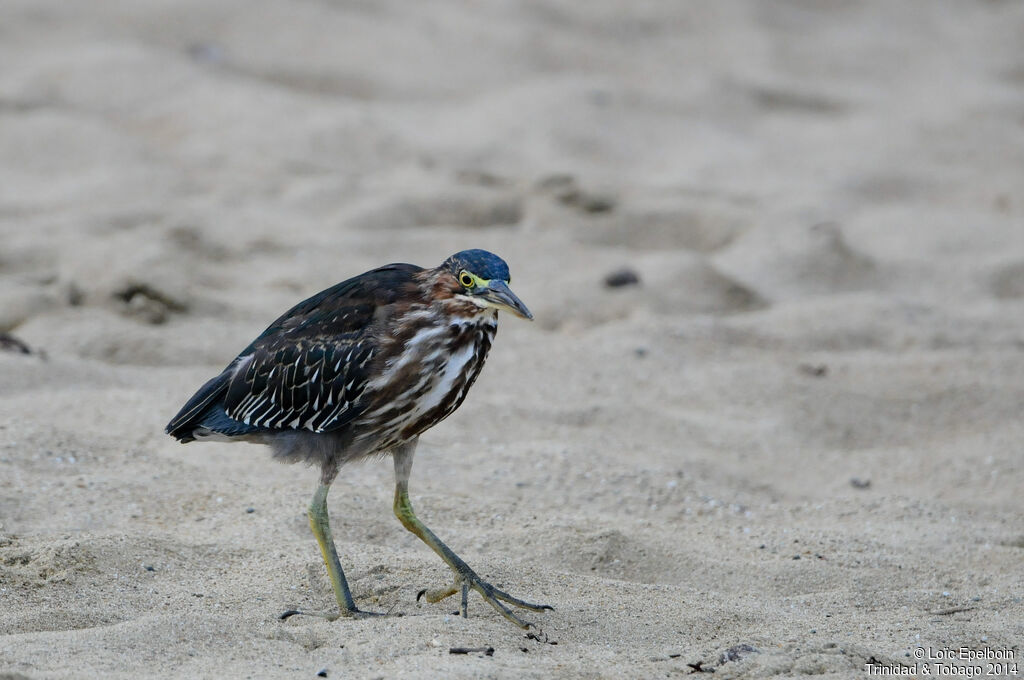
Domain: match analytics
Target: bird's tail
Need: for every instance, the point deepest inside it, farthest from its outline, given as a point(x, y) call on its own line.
point(195, 410)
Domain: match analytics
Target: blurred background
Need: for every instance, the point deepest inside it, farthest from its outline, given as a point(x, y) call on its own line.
point(771, 399)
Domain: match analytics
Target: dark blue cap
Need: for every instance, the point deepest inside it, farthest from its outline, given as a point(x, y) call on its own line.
point(482, 263)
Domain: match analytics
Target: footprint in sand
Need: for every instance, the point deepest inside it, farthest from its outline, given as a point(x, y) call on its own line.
point(800, 261)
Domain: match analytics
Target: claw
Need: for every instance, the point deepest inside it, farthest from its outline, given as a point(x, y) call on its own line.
point(493, 596)
point(438, 594)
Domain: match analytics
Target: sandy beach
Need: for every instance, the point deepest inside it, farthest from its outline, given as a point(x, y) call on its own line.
point(791, 444)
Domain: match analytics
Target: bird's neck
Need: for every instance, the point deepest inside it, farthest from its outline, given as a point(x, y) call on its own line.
point(442, 294)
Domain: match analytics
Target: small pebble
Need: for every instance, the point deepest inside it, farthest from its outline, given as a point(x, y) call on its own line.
point(322, 673)
point(622, 277)
point(814, 370)
point(487, 651)
point(250, 510)
point(737, 652)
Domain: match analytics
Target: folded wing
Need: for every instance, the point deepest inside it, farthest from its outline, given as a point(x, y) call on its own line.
point(307, 371)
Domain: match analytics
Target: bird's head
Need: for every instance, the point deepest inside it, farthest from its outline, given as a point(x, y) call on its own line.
point(482, 278)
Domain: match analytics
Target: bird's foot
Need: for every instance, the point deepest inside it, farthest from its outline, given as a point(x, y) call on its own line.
point(332, 616)
point(493, 596)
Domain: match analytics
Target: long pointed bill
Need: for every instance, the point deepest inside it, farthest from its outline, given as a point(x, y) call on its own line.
point(499, 295)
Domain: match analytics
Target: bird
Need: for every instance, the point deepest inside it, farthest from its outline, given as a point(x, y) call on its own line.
point(361, 370)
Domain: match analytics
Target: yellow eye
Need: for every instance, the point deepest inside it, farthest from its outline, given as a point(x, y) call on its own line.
point(466, 279)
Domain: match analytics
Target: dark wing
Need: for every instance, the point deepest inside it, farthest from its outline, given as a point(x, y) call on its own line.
point(311, 383)
point(199, 406)
point(307, 370)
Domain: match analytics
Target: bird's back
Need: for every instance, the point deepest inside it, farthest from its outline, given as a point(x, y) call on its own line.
point(307, 370)
point(372, 361)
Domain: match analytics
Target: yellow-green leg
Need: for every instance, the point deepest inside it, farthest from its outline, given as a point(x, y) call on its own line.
point(319, 522)
point(465, 578)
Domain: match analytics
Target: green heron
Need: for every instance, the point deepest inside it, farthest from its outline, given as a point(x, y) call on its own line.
point(362, 369)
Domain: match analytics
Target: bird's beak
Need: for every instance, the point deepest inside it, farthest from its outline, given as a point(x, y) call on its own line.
point(499, 295)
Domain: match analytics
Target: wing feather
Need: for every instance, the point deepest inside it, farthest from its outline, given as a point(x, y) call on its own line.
point(309, 369)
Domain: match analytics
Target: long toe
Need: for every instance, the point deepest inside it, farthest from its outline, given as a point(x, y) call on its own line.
point(487, 592)
point(493, 596)
point(505, 597)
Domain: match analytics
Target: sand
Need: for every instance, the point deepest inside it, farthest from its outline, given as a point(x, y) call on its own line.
point(793, 448)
